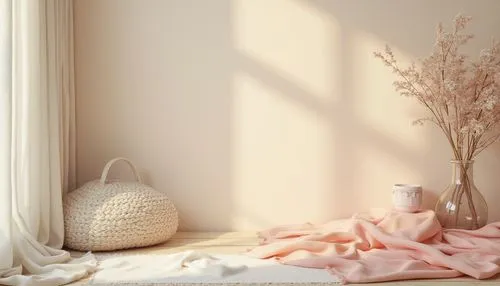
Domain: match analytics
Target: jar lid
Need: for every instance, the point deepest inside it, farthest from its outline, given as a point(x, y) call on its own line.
point(407, 187)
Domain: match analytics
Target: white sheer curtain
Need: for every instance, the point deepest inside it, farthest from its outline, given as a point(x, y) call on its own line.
point(36, 142)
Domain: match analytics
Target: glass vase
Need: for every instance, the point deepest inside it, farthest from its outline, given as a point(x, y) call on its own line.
point(461, 205)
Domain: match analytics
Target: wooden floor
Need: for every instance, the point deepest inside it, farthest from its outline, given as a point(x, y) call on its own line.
point(238, 242)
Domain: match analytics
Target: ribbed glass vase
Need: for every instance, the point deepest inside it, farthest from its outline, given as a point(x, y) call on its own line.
point(461, 205)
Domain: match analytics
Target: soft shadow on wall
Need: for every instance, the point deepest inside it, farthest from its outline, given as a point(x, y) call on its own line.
point(372, 143)
point(153, 84)
point(256, 113)
point(414, 36)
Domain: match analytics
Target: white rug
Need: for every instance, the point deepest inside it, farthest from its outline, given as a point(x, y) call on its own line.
point(197, 268)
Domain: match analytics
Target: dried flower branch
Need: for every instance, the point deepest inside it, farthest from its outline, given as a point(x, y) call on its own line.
point(463, 97)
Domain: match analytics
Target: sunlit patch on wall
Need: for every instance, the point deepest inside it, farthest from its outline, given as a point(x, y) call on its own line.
point(297, 41)
point(278, 154)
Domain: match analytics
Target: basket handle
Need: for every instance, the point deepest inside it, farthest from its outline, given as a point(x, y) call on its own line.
point(111, 162)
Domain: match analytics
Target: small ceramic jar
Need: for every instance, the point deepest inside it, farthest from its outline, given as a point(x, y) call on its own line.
point(407, 198)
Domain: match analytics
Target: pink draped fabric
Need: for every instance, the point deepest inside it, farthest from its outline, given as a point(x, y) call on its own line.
point(385, 246)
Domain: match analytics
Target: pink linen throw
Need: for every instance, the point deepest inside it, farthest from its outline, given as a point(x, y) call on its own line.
point(386, 246)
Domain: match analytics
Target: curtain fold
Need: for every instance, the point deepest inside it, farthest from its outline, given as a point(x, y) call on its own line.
point(6, 250)
point(37, 138)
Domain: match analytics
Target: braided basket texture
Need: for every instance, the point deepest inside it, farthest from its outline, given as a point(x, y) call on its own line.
point(105, 216)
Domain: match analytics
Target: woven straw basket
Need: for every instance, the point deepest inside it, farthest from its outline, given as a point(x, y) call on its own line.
point(103, 215)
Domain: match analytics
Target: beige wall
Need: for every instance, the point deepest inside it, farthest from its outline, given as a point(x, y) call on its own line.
point(256, 113)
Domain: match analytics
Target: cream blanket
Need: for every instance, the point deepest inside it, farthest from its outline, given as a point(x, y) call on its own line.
point(194, 267)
